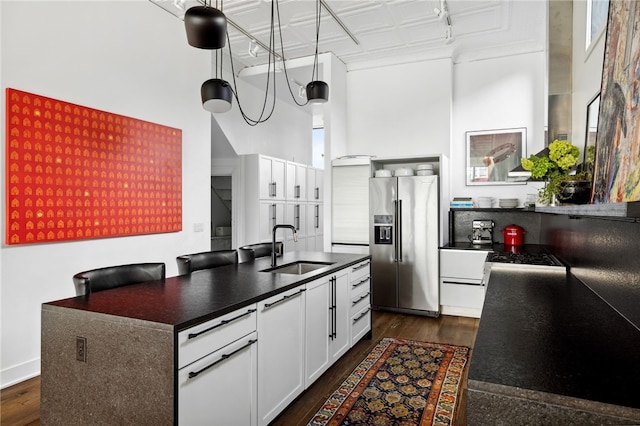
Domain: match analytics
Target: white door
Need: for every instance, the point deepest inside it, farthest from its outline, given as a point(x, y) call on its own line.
point(266, 183)
point(281, 327)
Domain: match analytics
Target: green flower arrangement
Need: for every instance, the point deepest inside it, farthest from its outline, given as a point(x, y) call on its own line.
point(556, 169)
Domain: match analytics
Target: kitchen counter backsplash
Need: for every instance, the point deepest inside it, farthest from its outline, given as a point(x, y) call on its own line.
point(460, 222)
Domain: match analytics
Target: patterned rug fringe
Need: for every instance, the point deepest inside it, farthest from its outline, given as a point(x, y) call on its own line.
point(401, 382)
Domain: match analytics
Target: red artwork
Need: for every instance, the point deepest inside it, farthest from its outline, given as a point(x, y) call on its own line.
point(76, 173)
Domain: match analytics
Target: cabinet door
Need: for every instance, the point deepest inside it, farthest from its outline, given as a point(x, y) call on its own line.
point(266, 183)
point(271, 213)
point(281, 327)
point(221, 388)
point(341, 340)
point(296, 182)
point(301, 182)
point(318, 318)
point(278, 177)
point(315, 184)
point(296, 215)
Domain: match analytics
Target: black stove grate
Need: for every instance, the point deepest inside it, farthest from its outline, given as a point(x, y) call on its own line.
point(524, 258)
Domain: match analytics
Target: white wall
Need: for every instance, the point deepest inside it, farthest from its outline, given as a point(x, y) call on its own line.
point(497, 93)
point(129, 58)
point(401, 110)
point(586, 71)
point(286, 135)
point(426, 107)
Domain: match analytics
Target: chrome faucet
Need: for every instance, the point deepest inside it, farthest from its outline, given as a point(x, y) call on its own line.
point(273, 241)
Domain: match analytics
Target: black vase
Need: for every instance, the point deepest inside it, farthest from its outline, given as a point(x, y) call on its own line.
point(575, 192)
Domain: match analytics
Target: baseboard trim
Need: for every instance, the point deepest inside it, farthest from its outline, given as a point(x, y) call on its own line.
point(19, 373)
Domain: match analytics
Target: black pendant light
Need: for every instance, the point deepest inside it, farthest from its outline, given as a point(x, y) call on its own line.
point(317, 91)
point(206, 27)
point(216, 95)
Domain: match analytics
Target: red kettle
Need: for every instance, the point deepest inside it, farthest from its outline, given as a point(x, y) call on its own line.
point(513, 235)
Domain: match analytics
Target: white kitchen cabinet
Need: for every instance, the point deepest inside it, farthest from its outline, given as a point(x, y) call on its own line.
point(296, 179)
point(281, 327)
point(272, 172)
point(296, 215)
point(359, 300)
point(461, 282)
point(271, 213)
point(317, 329)
point(341, 340)
point(315, 226)
point(221, 388)
point(315, 184)
point(327, 323)
point(217, 376)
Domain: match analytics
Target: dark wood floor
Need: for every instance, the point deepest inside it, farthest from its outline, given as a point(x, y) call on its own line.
point(21, 403)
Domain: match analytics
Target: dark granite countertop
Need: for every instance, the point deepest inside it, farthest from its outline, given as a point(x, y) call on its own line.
point(547, 332)
point(187, 300)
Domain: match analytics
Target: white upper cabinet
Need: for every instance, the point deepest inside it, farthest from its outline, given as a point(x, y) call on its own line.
point(296, 182)
point(315, 184)
point(272, 178)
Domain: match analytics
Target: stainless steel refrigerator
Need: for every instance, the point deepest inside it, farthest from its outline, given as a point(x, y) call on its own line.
point(404, 244)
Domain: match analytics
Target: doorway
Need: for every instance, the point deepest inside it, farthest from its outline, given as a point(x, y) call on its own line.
point(221, 213)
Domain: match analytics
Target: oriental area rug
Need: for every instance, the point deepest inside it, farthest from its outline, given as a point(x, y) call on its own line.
point(401, 382)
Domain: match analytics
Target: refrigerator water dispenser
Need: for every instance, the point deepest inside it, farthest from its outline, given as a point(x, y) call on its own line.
point(383, 229)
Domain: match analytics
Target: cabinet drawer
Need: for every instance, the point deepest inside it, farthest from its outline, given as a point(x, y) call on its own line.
point(466, 264)
point(360, 324)
point(462, 295)
point(360, 301)
point(221, 386)
point(202, 339)
point(360, 285)
point(359, 270)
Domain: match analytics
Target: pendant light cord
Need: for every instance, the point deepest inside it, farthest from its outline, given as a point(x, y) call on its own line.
point(271, 67)
point(314, 72)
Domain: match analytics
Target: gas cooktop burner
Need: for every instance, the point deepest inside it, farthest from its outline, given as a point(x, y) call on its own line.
point(535, 259)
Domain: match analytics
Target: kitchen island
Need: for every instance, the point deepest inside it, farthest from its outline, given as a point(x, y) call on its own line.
point(118, 356)
point(550, 351)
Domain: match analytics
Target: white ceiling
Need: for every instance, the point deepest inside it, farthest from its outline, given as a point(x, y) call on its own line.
point(388, 31)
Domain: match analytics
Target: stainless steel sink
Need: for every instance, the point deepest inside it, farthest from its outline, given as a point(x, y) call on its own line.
point(297, 268)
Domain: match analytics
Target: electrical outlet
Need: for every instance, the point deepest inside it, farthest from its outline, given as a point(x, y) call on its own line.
point(81, 348)
point(198, 227)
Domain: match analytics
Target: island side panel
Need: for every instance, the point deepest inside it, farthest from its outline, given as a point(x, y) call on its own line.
point(128, 376)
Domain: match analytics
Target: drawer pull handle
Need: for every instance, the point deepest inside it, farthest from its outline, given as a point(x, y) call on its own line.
point(360, 299)
point(359, 283)
point(268, 305)
point(362, 315)
point(363, 265)
point(193, 374)
point(220, 324)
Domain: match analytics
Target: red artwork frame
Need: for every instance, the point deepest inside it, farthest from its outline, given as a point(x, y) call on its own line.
point(74, 173)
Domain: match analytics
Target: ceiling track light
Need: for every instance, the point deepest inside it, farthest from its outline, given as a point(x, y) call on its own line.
point(253, 48)
point(442, 13)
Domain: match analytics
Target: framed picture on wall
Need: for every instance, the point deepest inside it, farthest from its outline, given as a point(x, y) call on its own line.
point(616, 174)
point(491, 154)
point(592, 127)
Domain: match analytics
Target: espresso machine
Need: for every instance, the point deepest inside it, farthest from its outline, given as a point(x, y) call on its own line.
point(482, 232)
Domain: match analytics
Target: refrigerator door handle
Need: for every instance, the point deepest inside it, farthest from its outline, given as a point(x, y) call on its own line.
point(399, 237)
point(395, 230)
